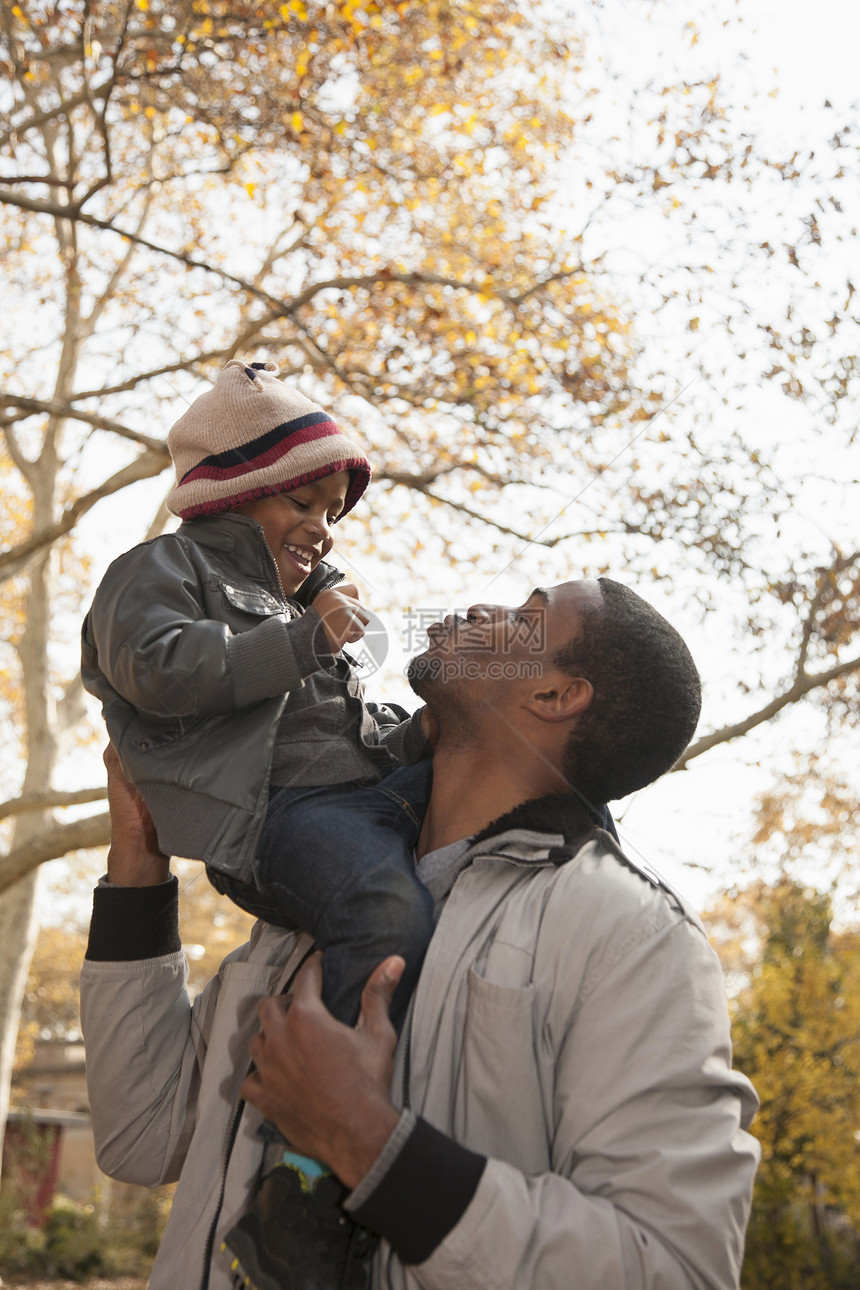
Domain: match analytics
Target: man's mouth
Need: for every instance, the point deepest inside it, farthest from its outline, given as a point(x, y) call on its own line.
point(452, 626)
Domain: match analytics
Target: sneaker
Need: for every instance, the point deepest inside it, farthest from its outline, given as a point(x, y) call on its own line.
point(297, 1236)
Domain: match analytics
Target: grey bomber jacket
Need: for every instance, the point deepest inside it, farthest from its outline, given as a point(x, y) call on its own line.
point(199, 660)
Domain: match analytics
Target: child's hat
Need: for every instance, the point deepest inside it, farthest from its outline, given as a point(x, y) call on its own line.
point(251, 435)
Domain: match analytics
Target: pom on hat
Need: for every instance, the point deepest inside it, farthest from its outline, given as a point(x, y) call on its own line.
point(251, 435)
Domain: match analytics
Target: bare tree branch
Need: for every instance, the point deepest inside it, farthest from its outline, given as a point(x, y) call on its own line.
point(56, 841)
point(561, 276)
point(14, 450)
point(145, 466)
point(65, 409)
point(48, 799)
point(183, 365)
point(802, 685)
point(71, 709)
point(74, 214)
point(64, 108)
point(415, 483)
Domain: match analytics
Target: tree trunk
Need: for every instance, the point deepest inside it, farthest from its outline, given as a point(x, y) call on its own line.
point(19, 927)
point(19, 924)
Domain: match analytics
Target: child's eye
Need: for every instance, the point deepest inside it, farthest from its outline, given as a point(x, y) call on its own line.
point(299, 504)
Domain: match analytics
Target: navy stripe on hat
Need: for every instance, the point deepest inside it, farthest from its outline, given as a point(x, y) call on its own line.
point(243, 458)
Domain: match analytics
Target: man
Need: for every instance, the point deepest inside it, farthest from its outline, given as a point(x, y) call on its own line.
point(562, 1109)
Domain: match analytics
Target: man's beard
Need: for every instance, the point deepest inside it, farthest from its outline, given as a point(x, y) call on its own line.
point(431, 679)
point(422, 672)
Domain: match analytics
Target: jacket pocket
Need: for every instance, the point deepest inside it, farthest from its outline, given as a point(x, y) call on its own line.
point(258, 602)
point(153, 740)
point(498, 1106)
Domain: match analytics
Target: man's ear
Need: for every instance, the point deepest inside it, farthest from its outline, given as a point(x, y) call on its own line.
point(560, 697)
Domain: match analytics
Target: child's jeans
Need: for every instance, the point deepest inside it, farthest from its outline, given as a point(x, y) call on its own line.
point(338, 862)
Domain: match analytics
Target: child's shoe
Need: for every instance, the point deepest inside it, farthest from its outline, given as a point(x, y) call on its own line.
point(297, 1236)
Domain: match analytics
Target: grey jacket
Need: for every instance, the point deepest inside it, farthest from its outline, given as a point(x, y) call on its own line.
point(194, 654)
point(570, 1024)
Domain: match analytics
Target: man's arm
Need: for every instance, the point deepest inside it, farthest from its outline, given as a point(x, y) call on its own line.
point(134, 858)
point(135, 1011)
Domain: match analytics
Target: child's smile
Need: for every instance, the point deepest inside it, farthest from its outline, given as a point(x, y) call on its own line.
point(297, 525)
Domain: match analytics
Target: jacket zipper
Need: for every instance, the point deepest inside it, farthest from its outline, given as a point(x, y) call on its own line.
point(335, 577)
point(232, 1130)
point(229, 1142)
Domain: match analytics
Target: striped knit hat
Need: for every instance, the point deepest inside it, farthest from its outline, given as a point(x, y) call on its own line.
point(252, 435)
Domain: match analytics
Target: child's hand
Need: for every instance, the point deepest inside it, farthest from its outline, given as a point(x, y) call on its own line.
point(344, 617)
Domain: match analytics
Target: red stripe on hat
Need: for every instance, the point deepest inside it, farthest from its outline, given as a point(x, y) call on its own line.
point(357, 468)
point(322, 430)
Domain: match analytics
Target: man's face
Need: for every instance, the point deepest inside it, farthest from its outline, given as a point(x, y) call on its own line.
point(501, 645)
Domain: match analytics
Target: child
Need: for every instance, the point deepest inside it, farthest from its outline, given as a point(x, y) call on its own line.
point(216, 654)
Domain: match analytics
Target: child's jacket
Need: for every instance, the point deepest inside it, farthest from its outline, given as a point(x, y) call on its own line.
point(194, 654)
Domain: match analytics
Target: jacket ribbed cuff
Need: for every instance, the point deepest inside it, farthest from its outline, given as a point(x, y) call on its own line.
point(134, 922)
point(407, 742)
point(423, 1194)
point(276, 657)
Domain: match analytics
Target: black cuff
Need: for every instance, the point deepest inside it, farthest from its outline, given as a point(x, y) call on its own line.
point(134, 923)
point(424, 1194)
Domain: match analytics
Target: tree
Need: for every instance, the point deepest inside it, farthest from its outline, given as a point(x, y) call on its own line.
point(377, 194)
point(796, 1026)
point(136, 159)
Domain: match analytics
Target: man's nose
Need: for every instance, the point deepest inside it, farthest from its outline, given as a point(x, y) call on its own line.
point(481, 613)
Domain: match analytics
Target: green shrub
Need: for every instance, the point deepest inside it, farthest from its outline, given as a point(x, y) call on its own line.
point(74, 1243)
point(21, 1246)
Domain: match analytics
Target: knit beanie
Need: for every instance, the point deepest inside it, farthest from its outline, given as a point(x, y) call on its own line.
point(251, 435)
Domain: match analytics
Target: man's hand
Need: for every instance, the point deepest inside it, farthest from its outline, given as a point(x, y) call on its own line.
point(324, 1084)
point(343, 615)
point(134, 859)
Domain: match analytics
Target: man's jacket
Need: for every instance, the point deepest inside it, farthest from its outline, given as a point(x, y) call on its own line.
point(569, 1034)
point(193, 651)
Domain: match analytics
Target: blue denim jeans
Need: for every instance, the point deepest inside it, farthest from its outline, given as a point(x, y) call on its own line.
point(338, 862)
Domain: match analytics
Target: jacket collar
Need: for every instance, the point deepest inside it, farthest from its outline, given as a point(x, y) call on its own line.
point(544, 829)
point(240, 540)
point(552, 830)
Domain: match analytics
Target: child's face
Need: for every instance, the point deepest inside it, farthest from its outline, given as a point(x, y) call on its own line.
point(297, 525)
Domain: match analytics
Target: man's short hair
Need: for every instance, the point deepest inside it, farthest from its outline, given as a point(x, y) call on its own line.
point(647, 696)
